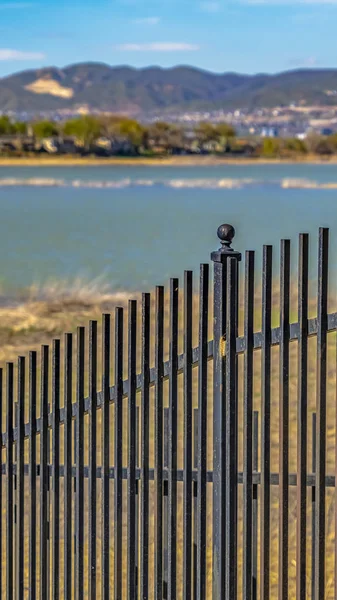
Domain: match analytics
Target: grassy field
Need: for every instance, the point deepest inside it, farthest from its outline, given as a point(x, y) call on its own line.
point(46, 314)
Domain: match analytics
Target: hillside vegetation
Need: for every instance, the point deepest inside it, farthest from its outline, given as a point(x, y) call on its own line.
point(102, 87)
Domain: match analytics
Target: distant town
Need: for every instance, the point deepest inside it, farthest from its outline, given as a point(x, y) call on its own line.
point(279, 132)
point(279, 121)
point(290, 121)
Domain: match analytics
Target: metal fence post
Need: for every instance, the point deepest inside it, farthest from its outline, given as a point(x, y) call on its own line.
point(220, 258)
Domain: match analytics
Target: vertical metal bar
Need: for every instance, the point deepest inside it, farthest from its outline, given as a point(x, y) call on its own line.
point(219, 524)
point(248, 427)
point(118, 483)
point(313, 507)
point(92, 459)
point(265, 422)
point(56, 469)
point(173, 412)
point(166, 436)
point(44, 475)
point(301, 544)
point(15, 490)
point(202, 431)
point(195, 503)
point(335, 582)
point(231, 433)
point(188, 432)
point(32, 475)
point(68, 358)
point(20, 481)
point(79, 499)
point(255, 504)
point(132, 542)
point(9, 470)
point(105, 455)
point(322, 324)
point(159, 343)
point(144, 496)
point(1, 479)
point(10, 515)
point(137, 438)
point(220, 258)
point(165, 501)
point(284, 421)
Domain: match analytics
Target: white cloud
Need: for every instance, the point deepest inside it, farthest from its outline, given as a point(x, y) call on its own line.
point(211, 7)
point(147, 21)
point(159, 47)
point(16, 5)
point(310, 61)
point(7, 54)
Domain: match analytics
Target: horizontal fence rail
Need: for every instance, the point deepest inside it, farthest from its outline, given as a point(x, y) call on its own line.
point(169, 483)
point(256, 476)
point(240, 349)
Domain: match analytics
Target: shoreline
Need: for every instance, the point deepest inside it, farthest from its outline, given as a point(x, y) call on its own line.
point(176, 161)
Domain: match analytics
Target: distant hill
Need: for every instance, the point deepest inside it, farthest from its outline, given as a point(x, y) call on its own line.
point(153, 89)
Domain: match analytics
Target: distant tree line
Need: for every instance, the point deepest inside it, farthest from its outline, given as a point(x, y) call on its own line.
point(288, 147)
point(129, 137)
point(7, 127)
point(156, 138)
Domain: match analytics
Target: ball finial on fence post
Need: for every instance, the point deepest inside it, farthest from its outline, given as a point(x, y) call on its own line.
point(226, 235)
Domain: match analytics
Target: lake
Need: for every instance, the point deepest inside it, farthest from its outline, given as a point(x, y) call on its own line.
point(137, 226)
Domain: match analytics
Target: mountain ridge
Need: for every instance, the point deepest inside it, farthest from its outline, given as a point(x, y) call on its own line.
point(99, 86)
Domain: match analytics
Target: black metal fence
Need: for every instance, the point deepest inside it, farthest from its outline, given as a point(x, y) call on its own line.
point(161, 485)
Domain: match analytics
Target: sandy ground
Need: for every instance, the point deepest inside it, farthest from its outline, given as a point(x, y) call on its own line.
point(25, 325)
point(176, 161)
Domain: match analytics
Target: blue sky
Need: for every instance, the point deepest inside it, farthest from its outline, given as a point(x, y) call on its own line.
point(220, 35)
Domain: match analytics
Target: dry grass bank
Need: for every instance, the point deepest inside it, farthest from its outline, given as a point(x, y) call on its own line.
point(174, 161)
point(46, 314)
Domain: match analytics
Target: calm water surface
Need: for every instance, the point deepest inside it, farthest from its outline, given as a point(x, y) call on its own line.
point(137, 226)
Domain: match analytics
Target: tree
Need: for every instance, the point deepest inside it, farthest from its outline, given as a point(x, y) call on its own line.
point(324, 147)
point(214, 136)
point(132, 131)
point(86, 129)
point(206, 133)
point(166, 136)
point(110, 125)
point(6, 127)
point(295, 145)
point(223, 130)
point(44, 129)
point(271, 147)
point(176, 138)
point(117, 127)
point(333, 141)
point(20, 128)
point(158, 133)
point(223, 134)
point(312, 141)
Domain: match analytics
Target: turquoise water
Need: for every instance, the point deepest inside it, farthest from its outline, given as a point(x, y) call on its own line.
point(137, 226)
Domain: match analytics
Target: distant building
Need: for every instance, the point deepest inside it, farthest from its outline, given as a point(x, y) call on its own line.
point(326, 131)
point(302, 136)
point(269, 132)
